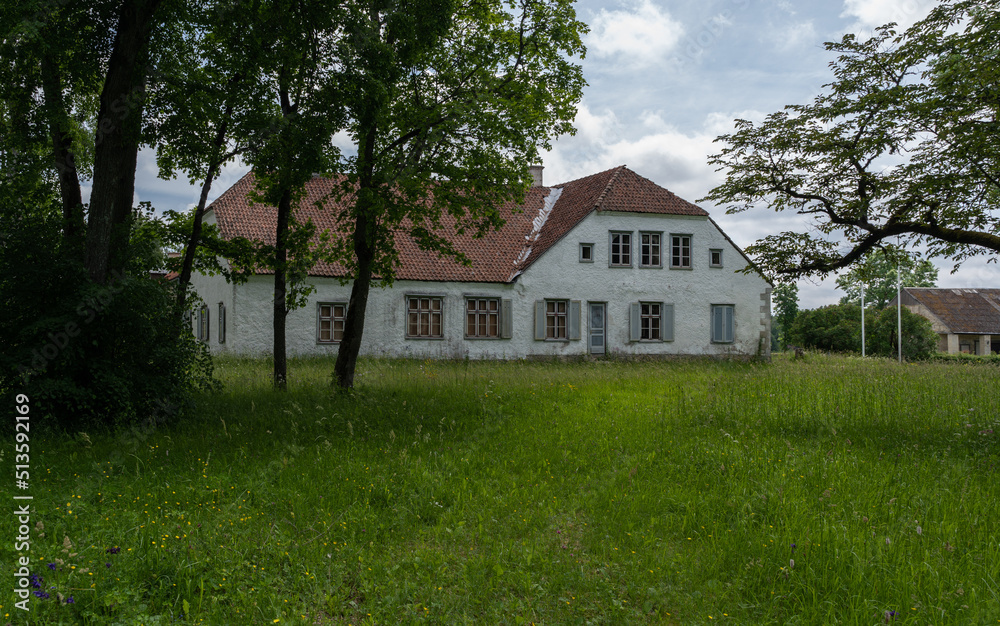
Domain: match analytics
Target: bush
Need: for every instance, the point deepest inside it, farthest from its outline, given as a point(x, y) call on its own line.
point(919, 340)
point(88, 354)
point(837, 328)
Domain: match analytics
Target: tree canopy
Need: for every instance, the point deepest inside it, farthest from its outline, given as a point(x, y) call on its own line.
point(903, 143)
point(448, 104)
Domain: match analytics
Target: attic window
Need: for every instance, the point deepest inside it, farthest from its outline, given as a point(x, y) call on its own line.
point(586, 253)
point(715, 257)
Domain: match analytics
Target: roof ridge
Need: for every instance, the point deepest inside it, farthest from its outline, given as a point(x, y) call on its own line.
point(607, 188)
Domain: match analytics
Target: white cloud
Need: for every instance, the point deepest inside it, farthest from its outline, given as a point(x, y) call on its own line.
point(640, 34)
point(872, 13)
point(798, 34)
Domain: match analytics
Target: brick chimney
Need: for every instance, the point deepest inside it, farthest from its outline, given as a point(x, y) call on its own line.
point(536, 175)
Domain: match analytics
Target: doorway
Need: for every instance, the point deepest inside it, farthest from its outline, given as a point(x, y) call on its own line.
point(598, 327)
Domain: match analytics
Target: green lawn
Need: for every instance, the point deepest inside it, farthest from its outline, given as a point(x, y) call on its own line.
point(829, 490)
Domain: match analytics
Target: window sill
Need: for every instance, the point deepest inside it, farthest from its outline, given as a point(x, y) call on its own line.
point(487, 338)
point(681, 267)
point(651, 267)
point(425, 338)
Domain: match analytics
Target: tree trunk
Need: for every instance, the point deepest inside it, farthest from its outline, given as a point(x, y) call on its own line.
point(199, 213)
point(117, 140)
point(280, 307)
point(62, 153)
point(354, 323)
point(364, 250)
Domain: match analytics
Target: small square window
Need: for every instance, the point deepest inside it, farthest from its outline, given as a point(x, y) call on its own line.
point(715, 257)
point(586, 253)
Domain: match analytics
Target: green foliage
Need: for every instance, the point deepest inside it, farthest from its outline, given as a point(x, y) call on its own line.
point(878, 273)
point(837, 328)
point(919, 340)
point(448, 105)
point(902, 143)
point(786, 304)
point(830, 490)
point(91, 355)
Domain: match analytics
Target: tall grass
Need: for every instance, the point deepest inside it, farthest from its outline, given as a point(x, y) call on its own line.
point(835, 490)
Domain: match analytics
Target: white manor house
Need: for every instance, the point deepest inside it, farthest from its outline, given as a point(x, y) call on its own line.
point(607, 264)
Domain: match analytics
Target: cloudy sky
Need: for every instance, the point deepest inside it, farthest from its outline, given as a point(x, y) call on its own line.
point(666, 78)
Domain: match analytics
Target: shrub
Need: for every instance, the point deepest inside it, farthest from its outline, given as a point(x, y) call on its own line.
point(88, 354)
point(837, 328)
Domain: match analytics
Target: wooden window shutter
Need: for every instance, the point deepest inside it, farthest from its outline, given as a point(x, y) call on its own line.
point(667, 322)
point(634, 322)
point(506, 319)
point(539, 320)
point(574, 320)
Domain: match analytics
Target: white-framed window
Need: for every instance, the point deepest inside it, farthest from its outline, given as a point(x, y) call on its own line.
point(586, 253)
point(557, 320)
point(651, 321)
point(620, 249)
point(715, 257)
point(649, 252)
point(330, 318)
point(222, 323)
point(203, 323)
point(424, 317)
point(680, 251)
point(722, 323)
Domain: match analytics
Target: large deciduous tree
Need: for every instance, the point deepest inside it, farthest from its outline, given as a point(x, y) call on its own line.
point(904, 143)
point(304, 93)
point(448, 104)
point(878, 273)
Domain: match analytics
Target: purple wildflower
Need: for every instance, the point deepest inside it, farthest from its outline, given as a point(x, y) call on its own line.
point(114, 550)
point(52, 566)
point(70, 600)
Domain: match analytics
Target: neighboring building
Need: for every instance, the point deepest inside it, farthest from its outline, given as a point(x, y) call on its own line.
point(966, 320)
point(610, 263)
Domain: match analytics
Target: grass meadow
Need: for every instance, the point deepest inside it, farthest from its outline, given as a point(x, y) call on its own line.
point(820, 491)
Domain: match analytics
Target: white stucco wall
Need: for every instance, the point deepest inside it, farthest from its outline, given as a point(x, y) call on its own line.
point(558, 274)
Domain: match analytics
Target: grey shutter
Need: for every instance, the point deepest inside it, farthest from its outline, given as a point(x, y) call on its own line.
point(729, 323)
point(506, 321)
point(717, 319)
point(667, 322)
point(574, 320)
point(539, 320)
point(635, 332)
point(222, 323)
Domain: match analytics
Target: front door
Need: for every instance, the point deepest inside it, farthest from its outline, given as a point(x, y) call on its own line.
point(597, 327)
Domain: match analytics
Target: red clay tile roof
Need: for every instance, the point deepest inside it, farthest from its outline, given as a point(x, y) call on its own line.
point(971, 311)
point(497, 257)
